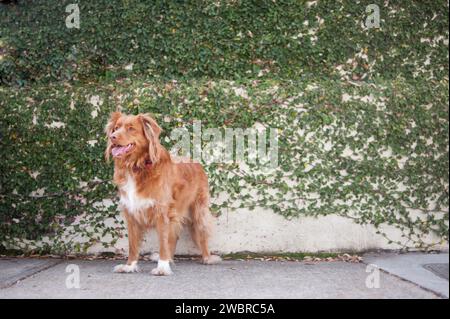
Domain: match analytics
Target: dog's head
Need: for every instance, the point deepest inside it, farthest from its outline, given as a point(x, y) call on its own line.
point(133, 137)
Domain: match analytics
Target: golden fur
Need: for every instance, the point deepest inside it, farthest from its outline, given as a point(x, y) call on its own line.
point(166, 195)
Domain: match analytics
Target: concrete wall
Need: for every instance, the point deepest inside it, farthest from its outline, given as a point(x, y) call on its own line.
point(264, 231)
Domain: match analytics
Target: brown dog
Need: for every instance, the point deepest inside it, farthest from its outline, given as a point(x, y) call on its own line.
point(156, 192)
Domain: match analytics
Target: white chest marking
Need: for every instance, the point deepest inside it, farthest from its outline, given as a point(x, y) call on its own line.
point(130, 199)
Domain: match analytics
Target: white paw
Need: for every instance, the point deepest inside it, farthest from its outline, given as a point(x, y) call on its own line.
point(211, 260)
point(127, 268)
point(163, 269)
point(154, 257)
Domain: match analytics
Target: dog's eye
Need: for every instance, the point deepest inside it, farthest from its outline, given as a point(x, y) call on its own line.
point(116, 128)
point(131, 128)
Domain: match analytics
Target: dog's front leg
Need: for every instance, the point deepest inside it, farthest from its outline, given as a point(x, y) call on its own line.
point(163, 229)
point(135, 234)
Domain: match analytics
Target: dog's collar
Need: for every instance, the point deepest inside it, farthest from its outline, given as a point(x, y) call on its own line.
point(147, 165)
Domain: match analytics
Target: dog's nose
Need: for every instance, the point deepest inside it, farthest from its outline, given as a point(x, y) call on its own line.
point(113, 137)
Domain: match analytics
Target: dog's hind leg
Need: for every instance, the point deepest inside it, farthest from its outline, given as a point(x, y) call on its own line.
point(201, 230)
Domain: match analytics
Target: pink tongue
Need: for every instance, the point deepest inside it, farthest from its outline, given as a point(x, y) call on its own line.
point(119, 150)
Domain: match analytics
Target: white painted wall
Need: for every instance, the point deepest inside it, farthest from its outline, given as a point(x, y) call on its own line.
point(265, 231)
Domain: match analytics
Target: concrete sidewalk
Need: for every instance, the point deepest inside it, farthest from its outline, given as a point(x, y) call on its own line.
point(429, 271)
point(47, 278)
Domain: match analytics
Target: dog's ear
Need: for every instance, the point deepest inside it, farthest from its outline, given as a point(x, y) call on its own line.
point(152, 132)
point(113, 118)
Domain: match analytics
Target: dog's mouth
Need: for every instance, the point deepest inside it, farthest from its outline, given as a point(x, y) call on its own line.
point(119, 150)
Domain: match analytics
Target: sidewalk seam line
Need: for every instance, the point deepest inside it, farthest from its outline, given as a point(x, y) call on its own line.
point(437, 294)
point(31, 274)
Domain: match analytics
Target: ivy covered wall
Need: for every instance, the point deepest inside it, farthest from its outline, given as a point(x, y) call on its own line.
point(361, 114)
